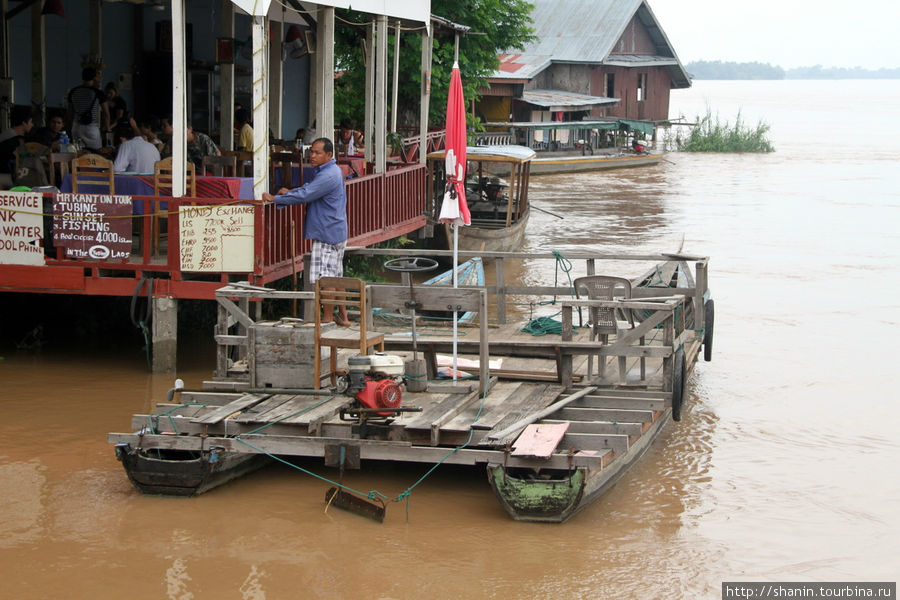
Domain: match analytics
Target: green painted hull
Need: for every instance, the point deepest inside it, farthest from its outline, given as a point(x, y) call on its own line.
point(552, 500)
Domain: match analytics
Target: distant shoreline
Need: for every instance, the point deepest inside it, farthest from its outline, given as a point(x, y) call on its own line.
point(704, 69)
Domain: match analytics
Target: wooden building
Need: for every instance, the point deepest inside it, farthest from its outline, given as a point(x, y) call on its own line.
point(591, 59)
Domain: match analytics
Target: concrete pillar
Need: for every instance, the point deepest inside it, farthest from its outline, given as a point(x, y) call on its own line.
point(165, 334)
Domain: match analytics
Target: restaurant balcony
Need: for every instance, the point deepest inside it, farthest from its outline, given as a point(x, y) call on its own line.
point(193, 263)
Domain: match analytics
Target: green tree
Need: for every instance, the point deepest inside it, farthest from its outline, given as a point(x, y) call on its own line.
point(495, 26)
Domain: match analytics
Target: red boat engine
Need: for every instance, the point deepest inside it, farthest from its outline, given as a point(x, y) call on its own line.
point(380, 393)
point(372, 380)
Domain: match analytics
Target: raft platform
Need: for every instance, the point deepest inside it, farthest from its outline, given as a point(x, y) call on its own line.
point(554, 419)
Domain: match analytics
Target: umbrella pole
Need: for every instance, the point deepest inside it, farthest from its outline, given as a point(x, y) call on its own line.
point(455, 285)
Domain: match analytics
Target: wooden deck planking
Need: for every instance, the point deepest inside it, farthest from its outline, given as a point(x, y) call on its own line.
point(222, 412)
point(540, 397)
point(261, 412)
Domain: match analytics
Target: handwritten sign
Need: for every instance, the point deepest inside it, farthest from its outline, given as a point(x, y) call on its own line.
point(21, 228)
point(93, 225)
point(216, 238)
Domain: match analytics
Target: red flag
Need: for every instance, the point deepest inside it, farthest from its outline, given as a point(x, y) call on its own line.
point(454, 207)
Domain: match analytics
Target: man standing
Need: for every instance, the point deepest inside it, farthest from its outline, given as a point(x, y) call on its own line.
point(135, 155)
point(88, 111)
point(326, 216)
point(12, 138)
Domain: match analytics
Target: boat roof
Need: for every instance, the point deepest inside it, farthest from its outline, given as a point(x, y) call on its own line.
point(644, 126)
point(492, 153)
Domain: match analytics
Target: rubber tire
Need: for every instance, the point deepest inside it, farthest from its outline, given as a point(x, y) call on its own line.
point(679, 372)
point(709, 322)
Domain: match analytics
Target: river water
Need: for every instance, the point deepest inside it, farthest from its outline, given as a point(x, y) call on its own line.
point(784, 467)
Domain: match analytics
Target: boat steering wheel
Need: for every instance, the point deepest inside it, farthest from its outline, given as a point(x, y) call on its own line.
point(411, 264)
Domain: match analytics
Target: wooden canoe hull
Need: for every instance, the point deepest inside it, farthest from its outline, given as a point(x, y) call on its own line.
point(561, 495)
point(181, 473)
point(597, 162)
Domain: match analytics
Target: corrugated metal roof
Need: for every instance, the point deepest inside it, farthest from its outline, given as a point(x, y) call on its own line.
point(560, 100)
point(584, 31)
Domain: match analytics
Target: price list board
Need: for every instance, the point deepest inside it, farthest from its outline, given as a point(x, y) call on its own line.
point(216, 238)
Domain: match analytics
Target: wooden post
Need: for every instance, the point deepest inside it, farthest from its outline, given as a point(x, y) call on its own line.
point(179, 108)
point(380, 89)
point(38, 64)
point(165, 334)
point(226, 83)
point(369, 125)
point(275, 71)
point(427, 44)
point(260, 106)
point(701, 283)
point(501, 291)
point(565, 360)
point(325, 72)
point(396, 81)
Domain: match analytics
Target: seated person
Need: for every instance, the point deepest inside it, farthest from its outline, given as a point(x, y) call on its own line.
point(12, 138)
point(349, 140)
point(135, 155)
point(637, 146)
point(199, 145)
point(148, 127)
point(50, 134)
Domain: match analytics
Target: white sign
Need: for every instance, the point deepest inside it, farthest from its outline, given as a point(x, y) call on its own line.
point(216, 238)
point(21, 228)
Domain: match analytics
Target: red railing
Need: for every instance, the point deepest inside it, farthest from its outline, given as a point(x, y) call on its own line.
point(379, 207)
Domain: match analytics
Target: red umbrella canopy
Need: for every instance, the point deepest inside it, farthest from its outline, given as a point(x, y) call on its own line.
point(454, 207)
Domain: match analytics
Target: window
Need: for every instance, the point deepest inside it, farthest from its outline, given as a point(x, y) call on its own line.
point(610, 85)
point(642, 87)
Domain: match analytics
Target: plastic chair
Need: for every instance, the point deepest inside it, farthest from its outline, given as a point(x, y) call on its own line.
point(93, 170)
point(606, 321)
point(336, 292)
point(220, 166)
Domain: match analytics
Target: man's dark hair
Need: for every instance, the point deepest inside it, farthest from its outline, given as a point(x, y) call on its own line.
point(124, 131)
point(19, 115)
point(242, 116)
point(327, 146)
point(88, 73)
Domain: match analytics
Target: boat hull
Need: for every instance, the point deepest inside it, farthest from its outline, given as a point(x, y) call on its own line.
point(598, 162)
point(557, 498)
point(488, 239)
point(182, 473)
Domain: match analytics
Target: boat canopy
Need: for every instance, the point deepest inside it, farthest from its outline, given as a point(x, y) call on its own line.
point(517, 154)
point(643, 126)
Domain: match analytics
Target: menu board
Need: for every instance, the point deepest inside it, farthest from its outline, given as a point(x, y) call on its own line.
point(216, 238)
point(21, 228)
point(93, 225)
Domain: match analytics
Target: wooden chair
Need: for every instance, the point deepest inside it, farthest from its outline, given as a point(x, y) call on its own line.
point(60, 166)
point(220, 166)
point(284, 162)
point(244, 159)
point(163, 173)
point(93, 170)
point(606, 321)
point(336, 292)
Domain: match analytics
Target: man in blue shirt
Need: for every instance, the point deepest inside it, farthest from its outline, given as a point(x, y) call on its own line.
point(326, 216)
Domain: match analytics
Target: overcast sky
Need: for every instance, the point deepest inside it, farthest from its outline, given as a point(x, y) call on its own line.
point(788, 33)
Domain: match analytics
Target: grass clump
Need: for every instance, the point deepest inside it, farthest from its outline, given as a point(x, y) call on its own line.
point(710, 134)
